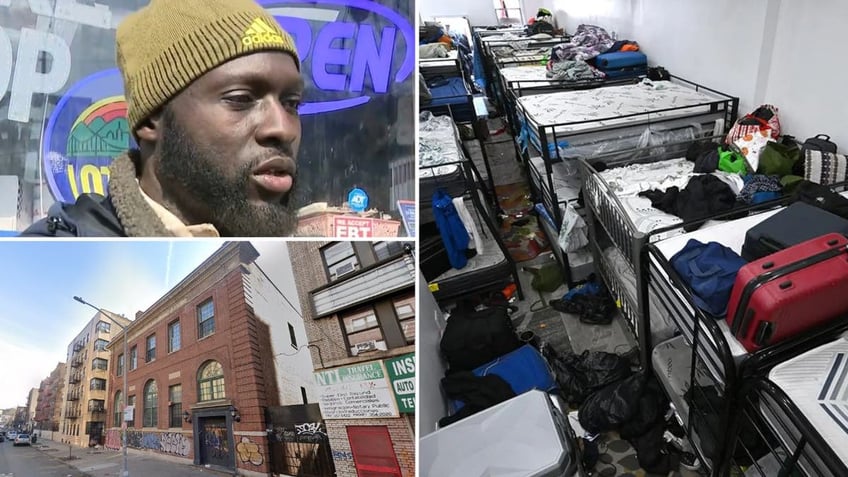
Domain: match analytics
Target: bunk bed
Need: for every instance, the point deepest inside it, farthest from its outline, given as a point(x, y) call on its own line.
point(718, 363)
point(589, 123)
point(445, 164)
point(794, 422)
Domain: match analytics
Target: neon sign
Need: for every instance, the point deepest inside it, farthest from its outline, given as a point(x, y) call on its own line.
point(336, 53)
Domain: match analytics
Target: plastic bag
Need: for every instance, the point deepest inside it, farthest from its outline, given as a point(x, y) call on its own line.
point(580, 375)
point(572, 233)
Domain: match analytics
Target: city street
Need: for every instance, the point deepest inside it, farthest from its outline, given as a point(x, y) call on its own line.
point(27, 461)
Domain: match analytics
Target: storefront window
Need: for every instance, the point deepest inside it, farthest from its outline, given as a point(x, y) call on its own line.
point(63, 117)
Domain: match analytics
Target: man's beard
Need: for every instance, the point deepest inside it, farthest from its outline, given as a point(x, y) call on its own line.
point(196, 169)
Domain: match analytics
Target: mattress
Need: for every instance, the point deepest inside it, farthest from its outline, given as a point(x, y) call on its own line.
point(817, 384)
point(525, 73)
point(452, 91)
point(603, 106)
point(438, 140)
point(628, 181)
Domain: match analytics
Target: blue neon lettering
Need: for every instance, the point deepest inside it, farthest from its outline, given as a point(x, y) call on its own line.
point(325, 55)
point(300, 30)
point(378, 62)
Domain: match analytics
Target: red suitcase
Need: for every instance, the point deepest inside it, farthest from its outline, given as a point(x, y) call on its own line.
point(789, 292)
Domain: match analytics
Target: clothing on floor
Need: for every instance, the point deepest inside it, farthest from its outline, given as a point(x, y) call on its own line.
point(477, 392)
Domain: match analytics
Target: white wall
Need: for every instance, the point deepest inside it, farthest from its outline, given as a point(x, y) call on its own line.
point(432, 406)
point(478, 12)
point(294, 366)
point(763, 51)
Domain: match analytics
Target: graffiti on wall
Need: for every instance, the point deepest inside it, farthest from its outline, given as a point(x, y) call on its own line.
point(173, 443)
point(113, 439)
point(310, 429)
point(249, 452)
point(342, 455)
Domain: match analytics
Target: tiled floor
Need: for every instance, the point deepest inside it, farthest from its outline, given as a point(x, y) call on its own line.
point(564, 332)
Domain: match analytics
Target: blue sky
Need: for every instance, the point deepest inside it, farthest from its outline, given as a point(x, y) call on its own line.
point(39, 317)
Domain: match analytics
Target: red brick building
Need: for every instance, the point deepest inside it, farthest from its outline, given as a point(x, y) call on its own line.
point(359, 310)
point(49, 409)
point(205, 362)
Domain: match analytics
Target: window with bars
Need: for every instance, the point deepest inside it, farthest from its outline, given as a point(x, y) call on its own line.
point(210, 381)
point(175, 408)
point(97, 384)
point(205, 319)
point(151, 404)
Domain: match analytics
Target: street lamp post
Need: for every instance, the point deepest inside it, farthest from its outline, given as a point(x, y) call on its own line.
point(125, 472)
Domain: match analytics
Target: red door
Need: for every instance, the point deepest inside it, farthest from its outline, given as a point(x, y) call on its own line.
point(373, 453)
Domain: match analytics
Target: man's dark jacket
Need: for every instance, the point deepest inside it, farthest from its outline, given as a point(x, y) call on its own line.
point(124, 213)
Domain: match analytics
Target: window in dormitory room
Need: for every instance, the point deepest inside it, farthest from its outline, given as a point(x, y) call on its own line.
point(508, 11)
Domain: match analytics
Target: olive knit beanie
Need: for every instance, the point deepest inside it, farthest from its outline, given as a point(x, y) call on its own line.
point(165, 46)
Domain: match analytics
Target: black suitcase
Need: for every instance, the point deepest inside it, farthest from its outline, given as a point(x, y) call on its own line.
point(472, 339)
point(793, 225)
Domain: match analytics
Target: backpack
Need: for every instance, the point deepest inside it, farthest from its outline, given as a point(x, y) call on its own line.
point(474, 338)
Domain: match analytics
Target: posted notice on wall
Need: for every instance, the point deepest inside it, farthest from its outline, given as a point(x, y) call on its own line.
point(361, 391)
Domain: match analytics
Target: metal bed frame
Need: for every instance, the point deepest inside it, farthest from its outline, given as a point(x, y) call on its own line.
point(467, 184)
point(710, 348)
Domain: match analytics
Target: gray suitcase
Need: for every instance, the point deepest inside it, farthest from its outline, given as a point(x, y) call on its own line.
point(526, 436)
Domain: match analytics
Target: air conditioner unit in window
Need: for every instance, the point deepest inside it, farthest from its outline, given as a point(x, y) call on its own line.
point(345, 269)
point(365, 347)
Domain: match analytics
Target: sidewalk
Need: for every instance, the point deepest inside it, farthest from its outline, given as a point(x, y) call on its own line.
point(109, 463)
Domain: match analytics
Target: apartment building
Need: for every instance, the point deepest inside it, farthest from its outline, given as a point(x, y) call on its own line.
point(359, 310)
point(84, 405)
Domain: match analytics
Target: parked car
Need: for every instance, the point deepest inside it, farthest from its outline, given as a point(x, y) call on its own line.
point(2, 437)
point(11, 435)
point(22, 440)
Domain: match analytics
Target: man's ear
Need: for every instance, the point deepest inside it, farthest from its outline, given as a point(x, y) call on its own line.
point(150, 129)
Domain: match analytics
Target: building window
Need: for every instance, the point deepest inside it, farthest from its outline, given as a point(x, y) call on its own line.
point(97, 384)
point(363, 331)
point(384, 250)
point(150, 354)
point(292, 336)
point(303, 395)
point(174, 336)
point(103, 327)
point(96, 405)
point(339, 259)
point(133, 358)
point(175, 406)
point(151, 404)
point(100, 345)
point(405, 310)
point(99, 363)
point(120, 369)
point(118, 411)
point(205, 319)
point(210, 381)
point(131, 402)
point(508, 11)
